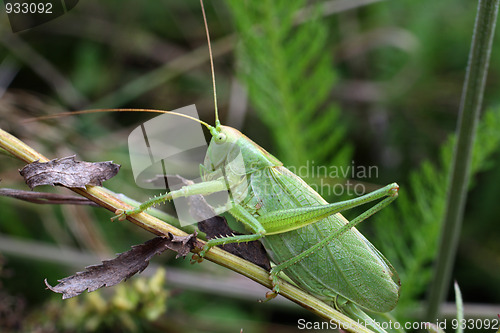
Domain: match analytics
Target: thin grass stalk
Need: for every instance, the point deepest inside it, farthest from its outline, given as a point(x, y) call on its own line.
point(470, 108)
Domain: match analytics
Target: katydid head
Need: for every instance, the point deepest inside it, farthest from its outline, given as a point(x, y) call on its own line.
point(229, 147)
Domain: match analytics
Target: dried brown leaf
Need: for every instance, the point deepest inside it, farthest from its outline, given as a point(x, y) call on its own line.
point(254, 251)
point(68, 172)
point(45, 198)
point(112, 272)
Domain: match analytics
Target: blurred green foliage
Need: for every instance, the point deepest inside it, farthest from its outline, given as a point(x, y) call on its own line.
point(130, 307)
point(379, 84)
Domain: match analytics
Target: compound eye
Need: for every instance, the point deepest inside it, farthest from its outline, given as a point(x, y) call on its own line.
point(220, 138)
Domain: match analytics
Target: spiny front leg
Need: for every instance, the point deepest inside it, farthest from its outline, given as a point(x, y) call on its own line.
point(203, 188)
point(122, 214)
point(227, 240)
point(198, 257)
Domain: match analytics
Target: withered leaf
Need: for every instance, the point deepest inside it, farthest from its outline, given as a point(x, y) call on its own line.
point(182, 244)
point(68, 172)
point(112, 272)
point(45, 198)
point(216, 227)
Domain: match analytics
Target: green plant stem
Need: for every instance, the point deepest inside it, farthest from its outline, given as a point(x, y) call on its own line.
point(109, 200)
point(470, 108)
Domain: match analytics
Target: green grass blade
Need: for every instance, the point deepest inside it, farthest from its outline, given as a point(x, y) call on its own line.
point(460, 307)
point(470, 108)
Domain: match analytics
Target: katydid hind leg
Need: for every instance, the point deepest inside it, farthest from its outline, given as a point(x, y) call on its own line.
point(389, 193)
point(280, 221)
point(337, 233)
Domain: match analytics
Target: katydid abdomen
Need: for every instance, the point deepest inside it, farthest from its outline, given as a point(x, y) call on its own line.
point(349, 266)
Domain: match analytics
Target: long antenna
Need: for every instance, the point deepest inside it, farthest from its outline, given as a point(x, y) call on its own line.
point(72, 113)
point(217, 122)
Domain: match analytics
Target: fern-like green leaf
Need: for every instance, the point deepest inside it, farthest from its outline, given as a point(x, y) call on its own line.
point(288, 72)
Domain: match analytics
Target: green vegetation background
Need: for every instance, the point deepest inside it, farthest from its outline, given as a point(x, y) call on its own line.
point(378, 84)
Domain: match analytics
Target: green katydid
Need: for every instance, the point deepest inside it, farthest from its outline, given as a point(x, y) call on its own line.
point(307, 238)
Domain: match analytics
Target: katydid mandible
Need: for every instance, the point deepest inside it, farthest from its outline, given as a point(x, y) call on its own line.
point(306, 237)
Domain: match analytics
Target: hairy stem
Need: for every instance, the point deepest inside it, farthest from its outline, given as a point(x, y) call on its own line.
point(470, 108)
